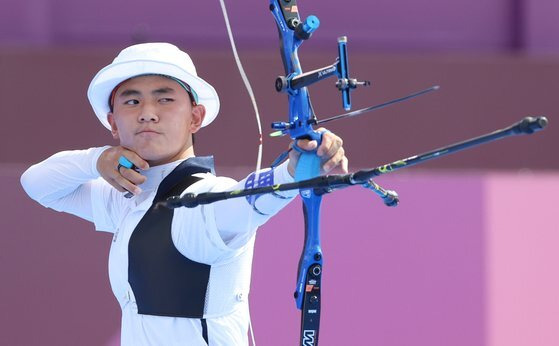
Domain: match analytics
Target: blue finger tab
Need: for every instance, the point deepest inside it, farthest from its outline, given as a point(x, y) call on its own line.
point(125, 162)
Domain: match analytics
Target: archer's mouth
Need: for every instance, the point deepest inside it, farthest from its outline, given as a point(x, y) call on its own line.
point(148, 132)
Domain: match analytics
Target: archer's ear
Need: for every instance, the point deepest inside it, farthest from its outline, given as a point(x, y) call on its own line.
point(114, 129)
point(198, 115)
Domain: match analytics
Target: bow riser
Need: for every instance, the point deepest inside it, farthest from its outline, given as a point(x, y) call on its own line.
point(300, 110)
point(301, 118)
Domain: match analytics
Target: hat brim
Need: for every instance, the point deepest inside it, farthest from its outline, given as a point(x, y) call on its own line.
point(109, 77)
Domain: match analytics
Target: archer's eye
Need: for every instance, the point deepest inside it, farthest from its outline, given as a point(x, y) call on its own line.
point(166, 100)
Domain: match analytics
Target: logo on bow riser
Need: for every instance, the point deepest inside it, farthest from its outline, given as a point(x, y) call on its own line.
point(308, 337)
point(330, 70)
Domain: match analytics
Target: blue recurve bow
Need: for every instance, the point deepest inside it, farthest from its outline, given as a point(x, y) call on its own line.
point(293, 32)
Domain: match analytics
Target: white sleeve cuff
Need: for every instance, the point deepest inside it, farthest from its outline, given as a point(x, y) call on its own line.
point(282, 176)
point(96, 153)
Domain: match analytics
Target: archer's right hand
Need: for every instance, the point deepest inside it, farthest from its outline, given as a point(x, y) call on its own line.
point(121, 178)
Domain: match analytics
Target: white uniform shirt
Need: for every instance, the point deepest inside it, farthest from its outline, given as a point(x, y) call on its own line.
point(215, 234)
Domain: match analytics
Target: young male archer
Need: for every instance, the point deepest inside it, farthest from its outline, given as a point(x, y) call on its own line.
point(181, 276)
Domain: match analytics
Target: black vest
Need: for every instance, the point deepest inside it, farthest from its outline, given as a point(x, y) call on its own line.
point(164, 282)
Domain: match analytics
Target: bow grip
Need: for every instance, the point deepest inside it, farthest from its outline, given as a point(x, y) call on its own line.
point(308, 165)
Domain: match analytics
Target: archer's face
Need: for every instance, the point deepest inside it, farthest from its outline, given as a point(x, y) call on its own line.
point(154, 117)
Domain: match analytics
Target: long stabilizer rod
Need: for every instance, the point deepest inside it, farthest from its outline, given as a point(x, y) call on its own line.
point(327, 183)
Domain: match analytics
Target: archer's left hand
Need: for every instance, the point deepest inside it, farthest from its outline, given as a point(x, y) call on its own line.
point(330, 151)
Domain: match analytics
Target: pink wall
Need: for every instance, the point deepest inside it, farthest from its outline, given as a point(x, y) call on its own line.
point(522, 277)
point(468, 258)
point(541, 26)
point(382, 25)
point(42, 95)
point(53, 269)
point(411, 275)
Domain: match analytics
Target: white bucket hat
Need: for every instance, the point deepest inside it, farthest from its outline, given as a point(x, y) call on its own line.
point(150, 58)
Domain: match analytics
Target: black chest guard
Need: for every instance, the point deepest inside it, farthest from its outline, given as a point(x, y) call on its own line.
point(164, 282)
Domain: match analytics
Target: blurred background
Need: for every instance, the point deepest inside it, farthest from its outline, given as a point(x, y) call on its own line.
point(468, 258)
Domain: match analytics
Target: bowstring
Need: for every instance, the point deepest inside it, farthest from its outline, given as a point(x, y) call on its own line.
point(247, 84)
point(257, 114)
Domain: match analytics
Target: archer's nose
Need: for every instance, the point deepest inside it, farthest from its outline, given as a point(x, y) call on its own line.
point(148, 116)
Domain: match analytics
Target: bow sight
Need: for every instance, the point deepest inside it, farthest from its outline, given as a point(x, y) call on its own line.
point(293, 32)
point(338, 68)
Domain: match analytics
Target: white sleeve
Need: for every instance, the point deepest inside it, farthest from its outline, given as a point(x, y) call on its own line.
point(214, 232)
point(237, 220)
point(68, 181)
